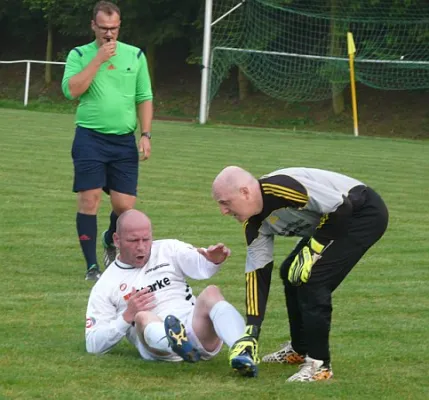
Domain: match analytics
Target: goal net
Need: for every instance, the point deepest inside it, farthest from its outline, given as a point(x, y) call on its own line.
point(297, 50)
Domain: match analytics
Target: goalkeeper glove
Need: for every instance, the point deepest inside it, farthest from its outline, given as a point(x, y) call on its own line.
point(300, 269)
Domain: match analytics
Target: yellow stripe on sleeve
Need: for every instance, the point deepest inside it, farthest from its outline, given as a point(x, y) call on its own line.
point(288, 194)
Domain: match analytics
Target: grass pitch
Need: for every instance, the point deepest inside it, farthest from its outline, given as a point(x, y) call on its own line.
point(379, 337)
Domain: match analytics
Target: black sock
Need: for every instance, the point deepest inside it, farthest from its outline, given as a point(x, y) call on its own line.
point(108, 237)
point(86, 226)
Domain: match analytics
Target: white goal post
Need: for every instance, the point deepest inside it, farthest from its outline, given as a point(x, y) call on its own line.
point(28, 72)
point(206, 61)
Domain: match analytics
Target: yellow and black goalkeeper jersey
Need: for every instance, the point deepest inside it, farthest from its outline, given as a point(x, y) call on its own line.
point(301, 202)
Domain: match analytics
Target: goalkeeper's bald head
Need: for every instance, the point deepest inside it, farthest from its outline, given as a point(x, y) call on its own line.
point(237, 193)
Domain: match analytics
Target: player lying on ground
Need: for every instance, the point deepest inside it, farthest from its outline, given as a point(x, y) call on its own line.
point(143, 296)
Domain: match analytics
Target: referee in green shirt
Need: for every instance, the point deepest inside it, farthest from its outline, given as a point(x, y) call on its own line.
point(112, 82)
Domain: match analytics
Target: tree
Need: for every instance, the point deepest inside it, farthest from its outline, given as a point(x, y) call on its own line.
point(52, 12)
point(151, 23)
point(146, 24)
point(17, 22)
point(336, 36)
point(391, 31)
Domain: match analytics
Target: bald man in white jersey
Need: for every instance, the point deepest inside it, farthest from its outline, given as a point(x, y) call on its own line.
point(143, 296)
point(338, 218)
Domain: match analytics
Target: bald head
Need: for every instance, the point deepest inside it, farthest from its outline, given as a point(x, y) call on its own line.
point(232, 178)
point(133, 238)
point(237, 192)
point(132, 218)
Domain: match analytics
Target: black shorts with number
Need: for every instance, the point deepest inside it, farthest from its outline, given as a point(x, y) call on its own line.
point(105, 161)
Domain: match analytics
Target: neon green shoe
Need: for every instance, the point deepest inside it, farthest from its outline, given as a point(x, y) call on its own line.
point(243, 355)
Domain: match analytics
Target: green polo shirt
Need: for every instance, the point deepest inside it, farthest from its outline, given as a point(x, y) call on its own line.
point(109, 104)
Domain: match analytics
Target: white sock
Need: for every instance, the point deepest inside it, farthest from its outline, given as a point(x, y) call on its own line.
point(227, 321)
point(154, 335)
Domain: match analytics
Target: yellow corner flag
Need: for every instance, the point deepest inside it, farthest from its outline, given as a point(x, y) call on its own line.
point(350, 43)
point(352, 50)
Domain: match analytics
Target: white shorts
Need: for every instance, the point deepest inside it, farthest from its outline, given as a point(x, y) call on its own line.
point(187, 322)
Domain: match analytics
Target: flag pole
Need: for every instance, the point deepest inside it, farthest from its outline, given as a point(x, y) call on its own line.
point(352, 50)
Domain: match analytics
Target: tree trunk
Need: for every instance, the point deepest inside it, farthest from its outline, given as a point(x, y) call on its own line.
point(337, 100)
point(335, 51)
point(243, 85)
point(49, 45)
point(150, 55)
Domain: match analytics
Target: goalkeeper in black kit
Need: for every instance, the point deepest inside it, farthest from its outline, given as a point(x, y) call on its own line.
point(338, 219)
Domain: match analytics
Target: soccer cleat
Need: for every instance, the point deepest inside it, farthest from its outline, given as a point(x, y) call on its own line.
point(179, 343)
point(109, 253)
point(244, 365)
point(243, 355)
point(93, 273)
point(286, 355)
point(312, 370)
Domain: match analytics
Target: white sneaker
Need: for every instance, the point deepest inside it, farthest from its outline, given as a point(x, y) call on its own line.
point(312, 370)
point(286, 355)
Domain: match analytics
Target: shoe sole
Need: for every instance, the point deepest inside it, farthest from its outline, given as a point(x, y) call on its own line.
point(176, 336)
point(244, 366)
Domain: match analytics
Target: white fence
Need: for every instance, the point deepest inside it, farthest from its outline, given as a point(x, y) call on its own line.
point(28, 72)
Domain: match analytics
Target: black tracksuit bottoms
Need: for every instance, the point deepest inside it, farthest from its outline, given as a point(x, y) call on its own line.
point(309, 305)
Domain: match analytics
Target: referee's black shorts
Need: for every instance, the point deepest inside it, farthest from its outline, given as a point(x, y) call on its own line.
point(105, 161)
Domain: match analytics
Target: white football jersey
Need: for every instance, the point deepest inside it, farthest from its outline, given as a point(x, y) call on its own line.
point(170, 262)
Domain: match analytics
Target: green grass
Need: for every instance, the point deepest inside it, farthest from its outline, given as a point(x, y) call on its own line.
point(379, 333)
point(44, 106)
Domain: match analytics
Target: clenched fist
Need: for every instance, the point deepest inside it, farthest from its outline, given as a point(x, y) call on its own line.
point(106, 51)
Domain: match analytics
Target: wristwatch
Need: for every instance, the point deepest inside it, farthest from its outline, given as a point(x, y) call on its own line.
point(147, 134)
